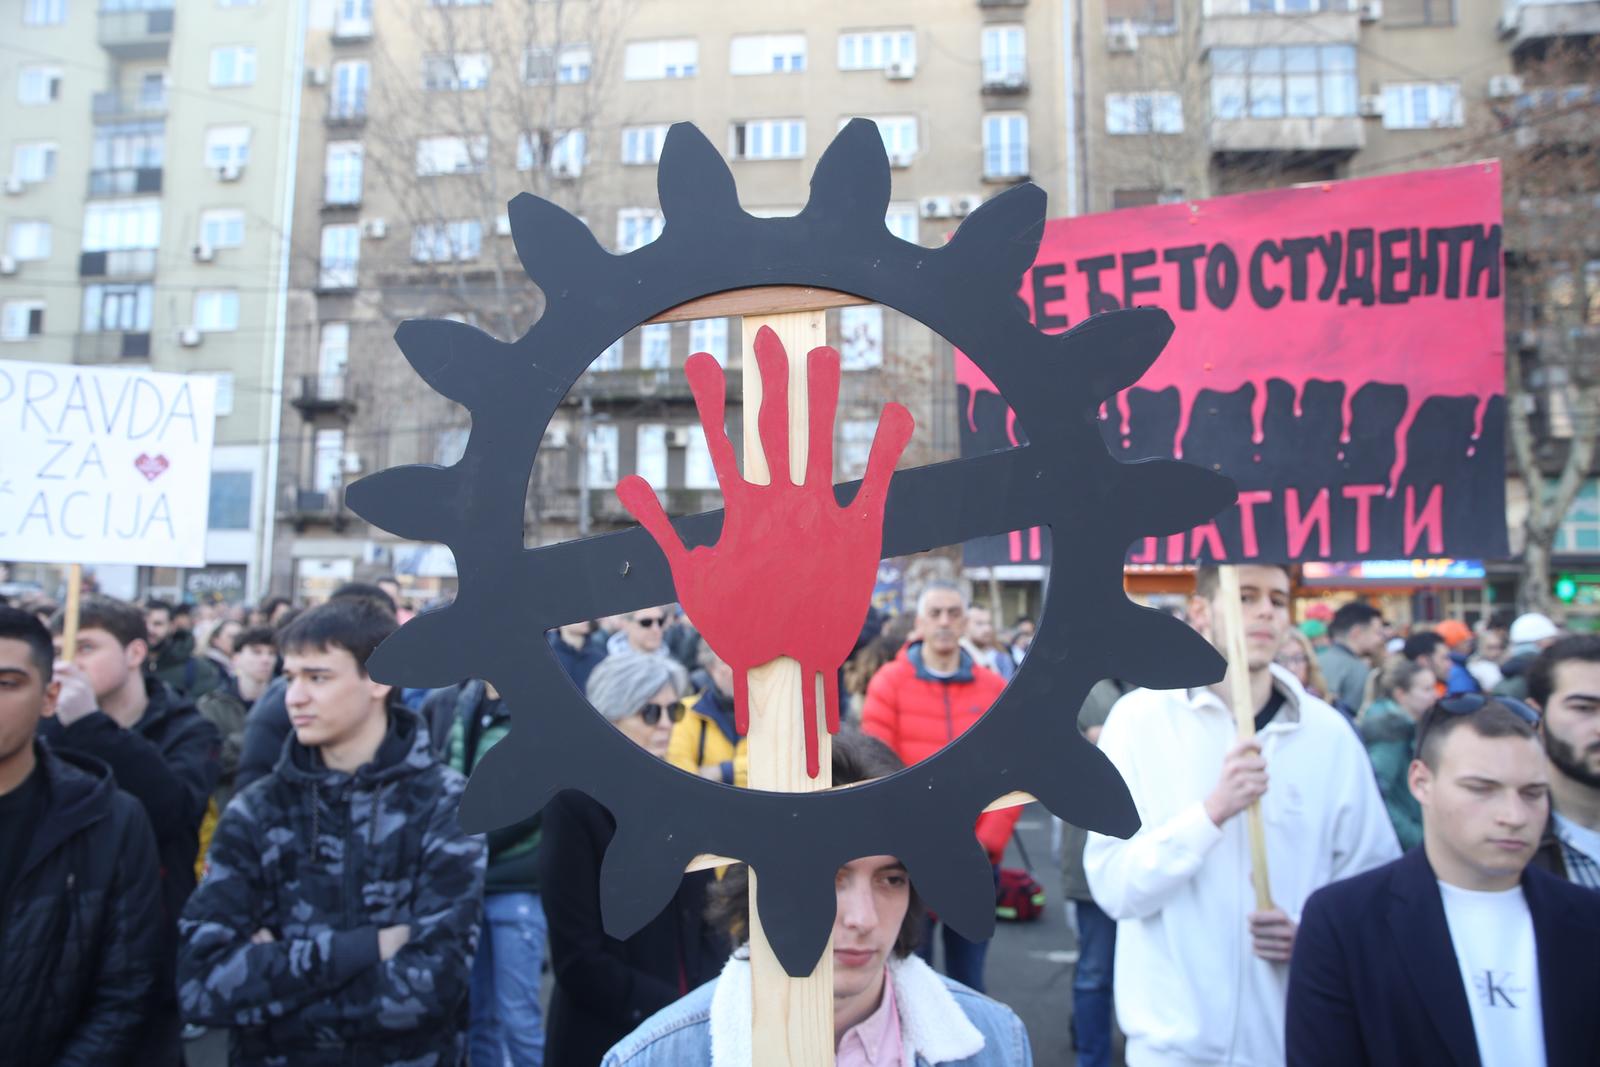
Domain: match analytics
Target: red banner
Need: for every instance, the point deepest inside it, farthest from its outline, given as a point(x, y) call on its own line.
point(1339, 353)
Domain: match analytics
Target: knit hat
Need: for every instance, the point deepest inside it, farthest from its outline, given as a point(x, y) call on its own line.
point(622, 684)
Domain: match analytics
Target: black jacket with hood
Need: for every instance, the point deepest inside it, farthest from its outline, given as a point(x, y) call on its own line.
point(80, 929)
point(323, 860)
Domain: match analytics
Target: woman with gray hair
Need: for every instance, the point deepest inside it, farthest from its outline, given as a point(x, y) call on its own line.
point(604, 987)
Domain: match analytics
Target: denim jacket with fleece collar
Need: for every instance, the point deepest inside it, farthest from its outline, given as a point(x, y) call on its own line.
point(941, 1022)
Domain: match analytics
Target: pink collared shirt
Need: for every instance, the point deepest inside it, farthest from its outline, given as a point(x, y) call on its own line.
point(875, 1040)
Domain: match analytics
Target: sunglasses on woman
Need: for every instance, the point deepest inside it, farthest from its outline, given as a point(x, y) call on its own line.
point(651, 713)
point(1468, 703)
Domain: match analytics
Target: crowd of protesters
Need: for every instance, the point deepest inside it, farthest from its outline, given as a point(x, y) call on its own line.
point(214, 818)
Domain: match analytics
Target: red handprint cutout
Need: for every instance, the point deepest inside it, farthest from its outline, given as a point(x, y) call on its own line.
point(793, 572)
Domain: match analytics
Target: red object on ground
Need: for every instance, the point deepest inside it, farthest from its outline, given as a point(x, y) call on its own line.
point(793, 572)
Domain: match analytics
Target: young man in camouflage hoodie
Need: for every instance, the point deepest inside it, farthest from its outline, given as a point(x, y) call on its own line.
point(339, 912)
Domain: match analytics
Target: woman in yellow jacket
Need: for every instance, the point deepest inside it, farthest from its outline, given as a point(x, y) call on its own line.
point(704, 741)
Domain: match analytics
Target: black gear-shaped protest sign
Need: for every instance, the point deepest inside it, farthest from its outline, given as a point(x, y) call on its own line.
point(1063, 478)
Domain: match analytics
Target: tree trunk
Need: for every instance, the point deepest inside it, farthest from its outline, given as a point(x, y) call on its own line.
point(1534, 594)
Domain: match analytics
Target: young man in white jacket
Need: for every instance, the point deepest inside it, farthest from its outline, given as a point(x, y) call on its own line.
point(1201, 976)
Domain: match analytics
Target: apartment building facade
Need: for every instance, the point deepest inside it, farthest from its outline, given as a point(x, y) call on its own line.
point(147, 148)
point(424, 118)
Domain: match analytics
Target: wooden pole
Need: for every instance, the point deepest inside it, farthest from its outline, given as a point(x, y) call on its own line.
point(1244, 716)
point(792, 1018)
point(69, 617)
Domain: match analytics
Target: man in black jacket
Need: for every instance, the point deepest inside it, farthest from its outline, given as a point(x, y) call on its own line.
point(80, 920)
point(161, 751)
point(1458, 953)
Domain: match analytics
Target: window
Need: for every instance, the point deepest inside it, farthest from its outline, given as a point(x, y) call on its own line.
point(901, 219)
point(860, 337)
point(637, 227)
point(457, 240)
point(227, 146)
point(1005, 145)
point(1154, 112)
point(117, 307)
point(601, 456)
point(333, 351)
point(228, 507)
point(1121, 198)
point(153, 90)
point(698, 470)
point(34, 161)
point(349, 97)
point(1270, 83)
point(1580, 527)
point(38, 85)
point(855, 445)
point(876, 49)
point(1145, 15)
point(21, 319)
point(568, 154)
point(649, 60)
point(778, 53)
point(222, 228)
point(124, 145)
point(353, 18)
point(709, 336)
point(216, 310)
point(44, 12)
point(1419, 13)
point(224, 380)
point(341, 255)
point(1421, 105)
point(237, 3)
point(1298, 7)
point(650, 455)
point(610, 359)
point(642, 144)
point(568, 66)
point(1005, 55)
point(768, 139)
point(111, 226)
point(655, 346)
point(327, 460)
point(233, 65)
point(442, 72)
point(27, 239)
point(341, 175)
point(899, 133)
point(451, 155)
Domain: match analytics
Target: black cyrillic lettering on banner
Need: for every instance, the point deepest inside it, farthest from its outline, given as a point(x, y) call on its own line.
point(1299, 250)
point(1454, 239)
point(1358, 267)
point(1099, 299)
point(1185, 256)
point(1391, 262)
point(1332, 249)
point(1044, 294)
point(1132, 284)
point(1485, 261)
point(1264, 295)
point(1222, 277)
point(1424, 263)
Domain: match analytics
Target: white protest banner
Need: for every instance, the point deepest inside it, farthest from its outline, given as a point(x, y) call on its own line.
point(104, 465)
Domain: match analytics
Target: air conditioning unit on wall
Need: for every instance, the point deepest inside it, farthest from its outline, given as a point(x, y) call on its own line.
point(900, 70)
point(935, 207)
point(377, 229)
point(190, 336)
point(1504, 86)
point(1371, 106)
point(1121, 37)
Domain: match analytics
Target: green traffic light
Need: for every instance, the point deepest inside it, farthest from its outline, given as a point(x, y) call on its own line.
point(1566, 589)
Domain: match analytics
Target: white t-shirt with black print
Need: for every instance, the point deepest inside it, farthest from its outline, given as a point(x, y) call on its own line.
point(1493, 938)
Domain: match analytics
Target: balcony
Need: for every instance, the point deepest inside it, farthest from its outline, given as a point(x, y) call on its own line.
point(1556, 115)
point(110, 346)
point(1005, 82)
point(123, 263)
point(126, 181)
point(1527, 23)
point(1341, 134)
point(664, 384)
point(321, 394)
point(352, 30)
point(345, 116)
point(126, 107)
point(315, 507)
point(136, 29)
point(1230, 24)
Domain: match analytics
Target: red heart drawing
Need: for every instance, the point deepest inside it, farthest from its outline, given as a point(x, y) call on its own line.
point(152, 467)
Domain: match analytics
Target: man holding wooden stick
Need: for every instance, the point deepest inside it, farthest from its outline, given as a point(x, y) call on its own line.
point(1201, 963)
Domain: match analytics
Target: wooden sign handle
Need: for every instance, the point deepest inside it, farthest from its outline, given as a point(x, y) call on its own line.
point(69, 617)
point(792, 1018)
point(1244, 715)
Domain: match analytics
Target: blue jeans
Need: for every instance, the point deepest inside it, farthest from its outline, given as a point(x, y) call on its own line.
point(506, 1025)
point(1091, 985)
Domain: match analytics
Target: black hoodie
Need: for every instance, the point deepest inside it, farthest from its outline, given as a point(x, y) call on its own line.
point(80, 928)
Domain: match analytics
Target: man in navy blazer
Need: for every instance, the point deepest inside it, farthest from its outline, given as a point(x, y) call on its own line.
point(1458, 954)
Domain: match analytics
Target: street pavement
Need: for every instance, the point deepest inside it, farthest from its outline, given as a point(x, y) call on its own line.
point(1029, 965)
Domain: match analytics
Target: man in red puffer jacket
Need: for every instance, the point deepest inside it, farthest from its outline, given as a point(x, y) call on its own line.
point(921, 701)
